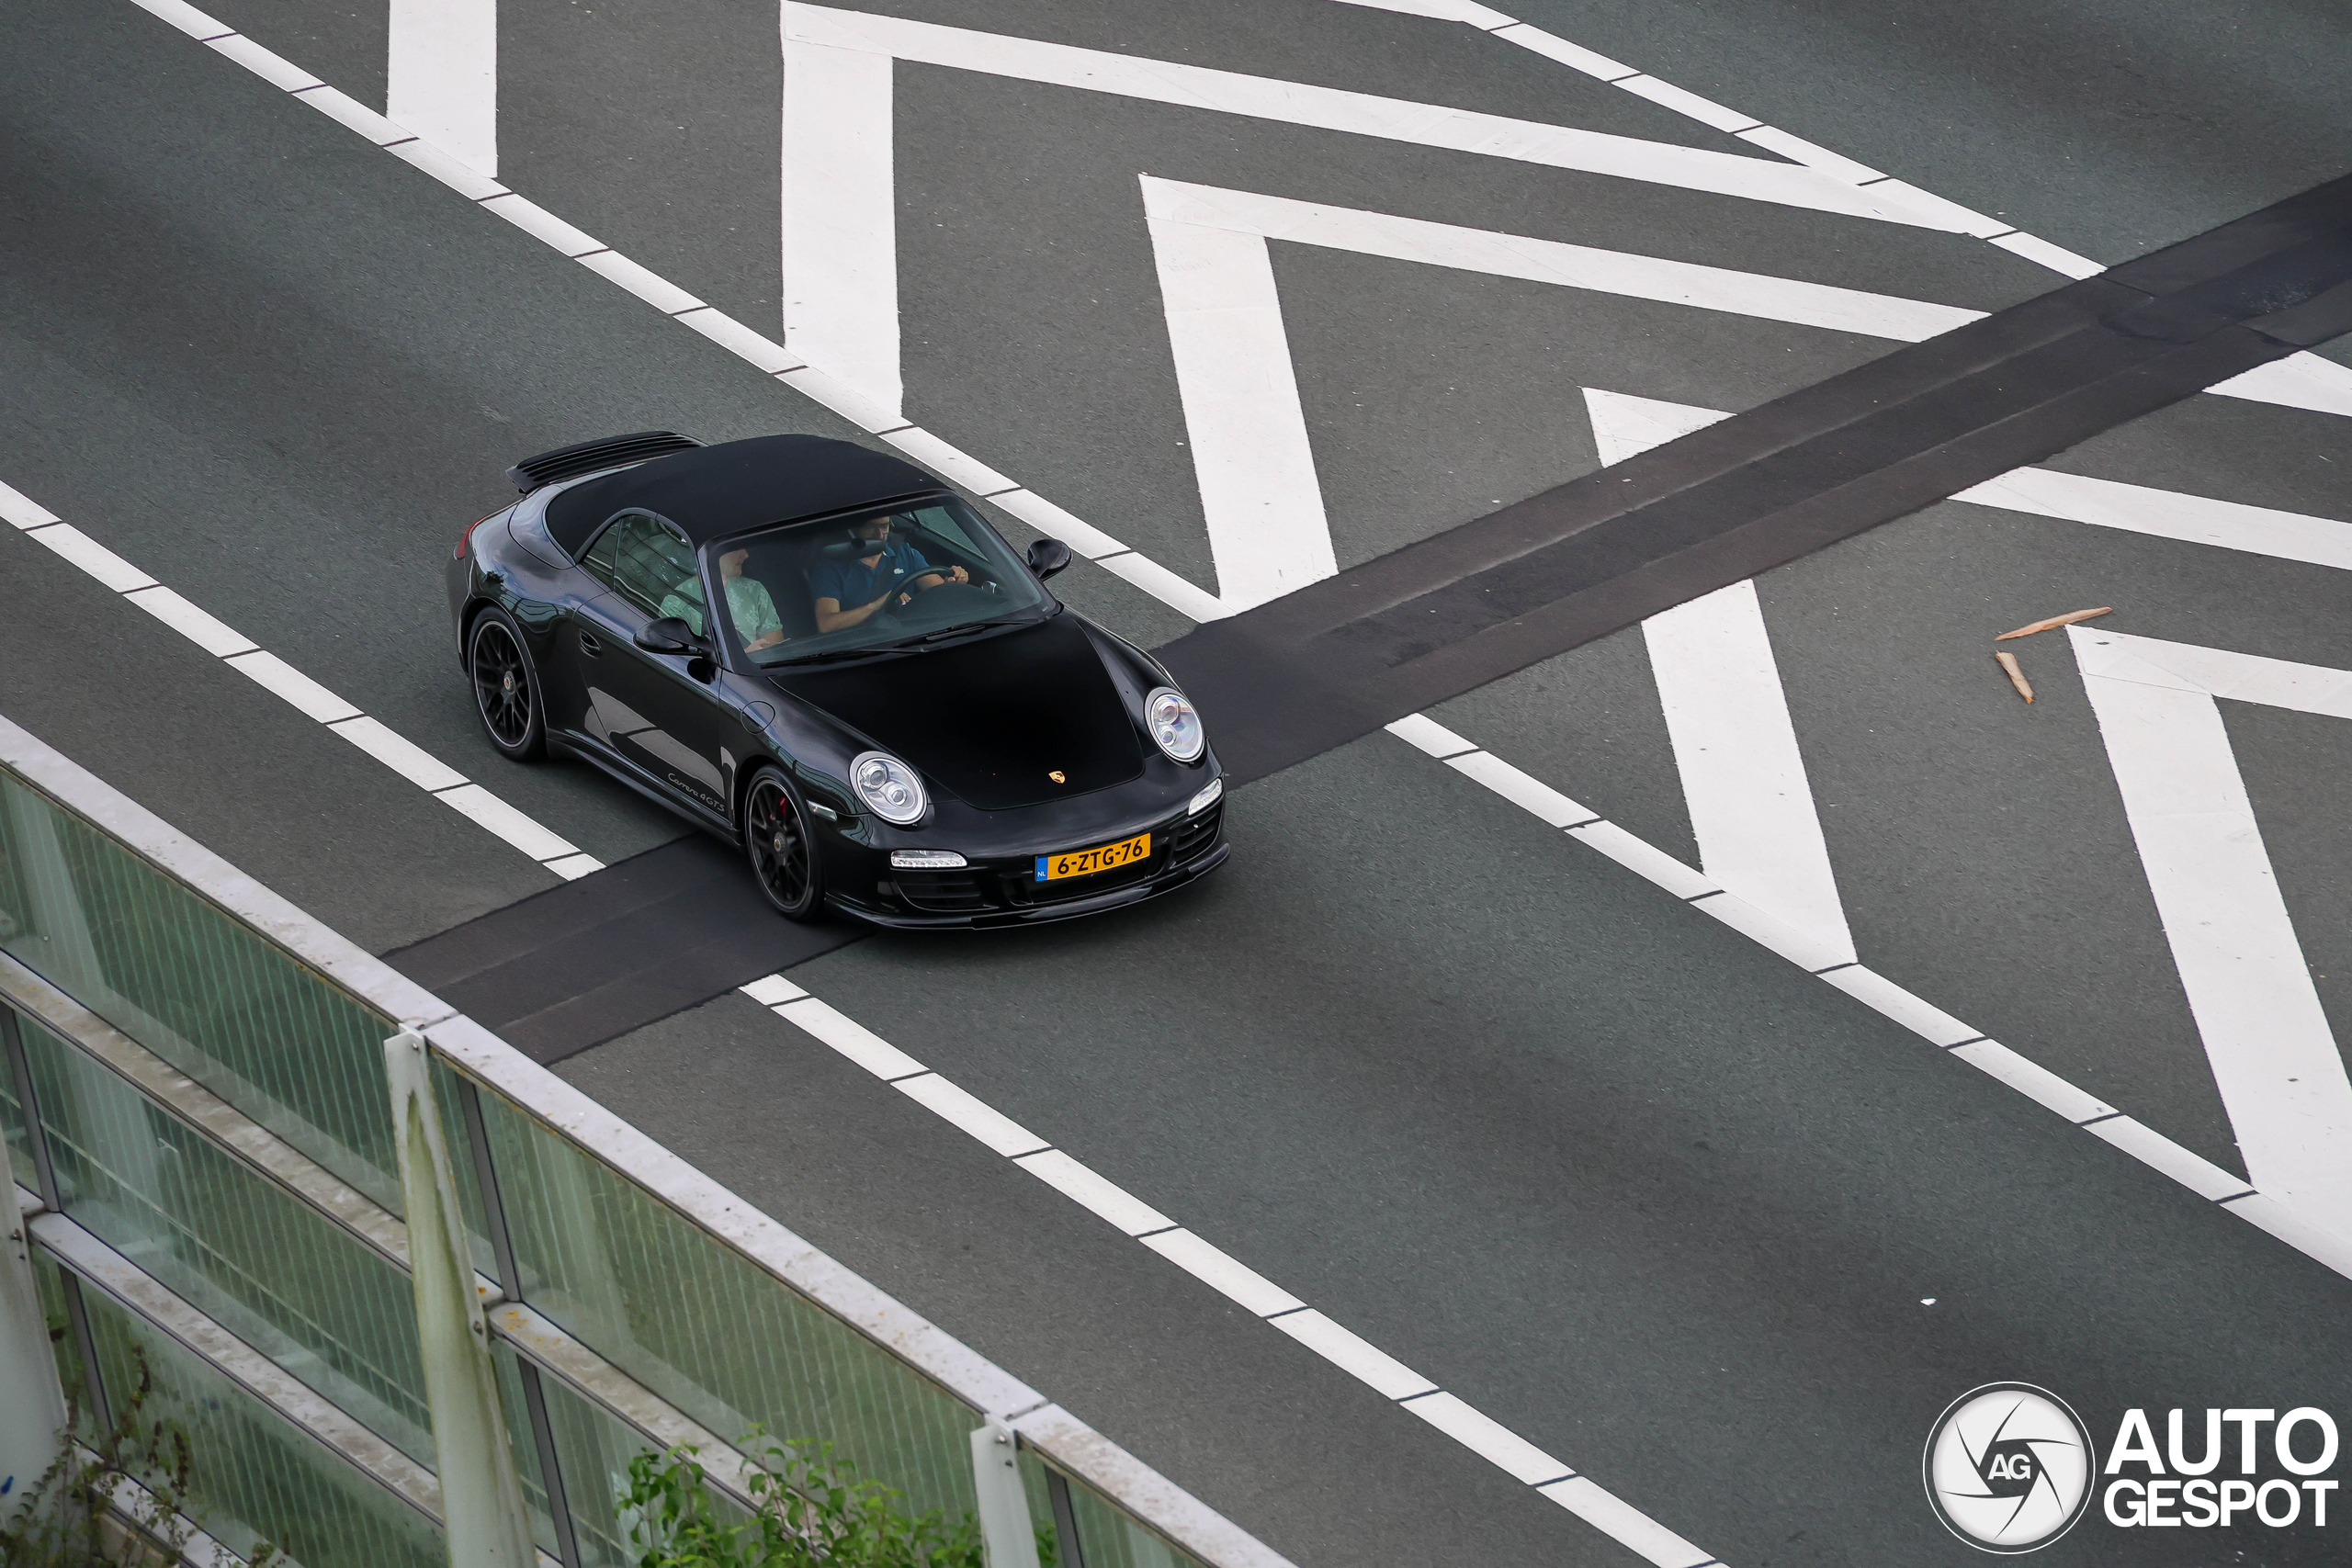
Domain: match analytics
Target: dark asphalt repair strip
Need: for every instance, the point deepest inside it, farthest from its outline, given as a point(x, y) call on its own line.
point(620, 948)
point(1334, 661)
point(677, 926)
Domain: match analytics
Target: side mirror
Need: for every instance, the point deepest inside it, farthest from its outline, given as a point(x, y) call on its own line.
point(1048, 557)
point(669, 634)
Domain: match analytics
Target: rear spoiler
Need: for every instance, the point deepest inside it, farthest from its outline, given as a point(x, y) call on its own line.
point(612, 452)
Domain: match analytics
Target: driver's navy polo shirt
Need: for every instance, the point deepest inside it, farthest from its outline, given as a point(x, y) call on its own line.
point(852, 584)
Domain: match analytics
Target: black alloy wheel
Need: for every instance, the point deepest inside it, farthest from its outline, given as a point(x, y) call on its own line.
point(506, 689)
point(783, 859)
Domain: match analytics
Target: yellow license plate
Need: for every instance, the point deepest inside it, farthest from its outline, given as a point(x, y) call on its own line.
point(1086, 863)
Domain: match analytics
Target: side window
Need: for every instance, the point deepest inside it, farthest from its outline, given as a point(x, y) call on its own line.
point(647, 562)
point(598, 562)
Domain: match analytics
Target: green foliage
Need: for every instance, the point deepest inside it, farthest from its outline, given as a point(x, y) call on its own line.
point(812, 1511)
point(62, 1521)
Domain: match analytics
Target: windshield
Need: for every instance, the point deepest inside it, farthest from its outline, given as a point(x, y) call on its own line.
point(910, 577)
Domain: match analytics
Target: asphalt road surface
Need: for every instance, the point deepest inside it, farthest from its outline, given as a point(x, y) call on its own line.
point(1640, 1179)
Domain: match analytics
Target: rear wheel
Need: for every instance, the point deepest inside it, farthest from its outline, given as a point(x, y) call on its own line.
point(506, 689)
point(781, 850)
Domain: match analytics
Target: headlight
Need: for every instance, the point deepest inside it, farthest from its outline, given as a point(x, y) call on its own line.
point(889, 787)
point(1206, 798)
point(926, 860)
point(1173, 723)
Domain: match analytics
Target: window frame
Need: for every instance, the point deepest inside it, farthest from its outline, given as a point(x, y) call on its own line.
point(628, 595)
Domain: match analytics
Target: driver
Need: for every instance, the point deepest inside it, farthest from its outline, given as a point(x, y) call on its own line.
point(892, 570)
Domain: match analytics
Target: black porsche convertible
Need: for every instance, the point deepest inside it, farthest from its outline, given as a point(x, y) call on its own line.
point(820, 653)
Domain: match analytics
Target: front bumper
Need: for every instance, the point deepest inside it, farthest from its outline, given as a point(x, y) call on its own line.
point(990, 893)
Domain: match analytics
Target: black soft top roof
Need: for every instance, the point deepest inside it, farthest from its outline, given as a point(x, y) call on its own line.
point(712, 491)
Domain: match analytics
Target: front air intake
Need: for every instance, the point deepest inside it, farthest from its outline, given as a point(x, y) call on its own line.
point(612, 452)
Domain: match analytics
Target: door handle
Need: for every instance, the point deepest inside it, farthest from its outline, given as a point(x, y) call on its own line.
point(589, 646)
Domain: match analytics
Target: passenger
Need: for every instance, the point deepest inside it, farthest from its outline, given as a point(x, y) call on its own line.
point(869, 581)
point(749, 602)
point(747, 597)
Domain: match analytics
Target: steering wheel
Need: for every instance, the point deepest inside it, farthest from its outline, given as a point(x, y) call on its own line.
point(947, 581)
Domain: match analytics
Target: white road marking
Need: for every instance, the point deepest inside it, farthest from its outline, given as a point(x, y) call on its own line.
point(215, 636)
point(1500, 255)
point(1493, 1441)
point(281, 680)
point(1420, 730)
point(109, 569)
point(1268, 529)
point(1797, 150)
point(840, 243)
point(1881, 995)
point(1940, 1029)
point(1644, 860)
point(1260, 496)
point(527, 214)
point(1626, 426)
point(278, 73)
point(2168, 515)
point(1682, 101)
point(22, 512)
point(1230, 1278)
point(1104, 1199)
point(2301, 380)
point(962, 1110)
point(1806, 948)
point(1736, 748)
point(441, 76)
point(2047, 1089)
point(1523, 790)
point(856, 1042)
point(1331, 108)
point(542, 844)
point(1356, 1356)
point(1615, 1518)
point(446, 167)
point(772, 990)
point(642, 281)
point(405, 757)
point(2045, 492)
point(2274, 1057)
point(1258, 491)
point(2042, 252)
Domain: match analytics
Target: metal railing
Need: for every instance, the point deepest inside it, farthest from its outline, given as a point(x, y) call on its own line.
point(194, 1103)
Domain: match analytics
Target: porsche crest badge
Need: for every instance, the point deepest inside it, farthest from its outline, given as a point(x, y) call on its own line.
point(1058, 776)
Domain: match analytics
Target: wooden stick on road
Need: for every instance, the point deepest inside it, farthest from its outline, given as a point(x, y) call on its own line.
point(2008, 661)
point(2054, 622)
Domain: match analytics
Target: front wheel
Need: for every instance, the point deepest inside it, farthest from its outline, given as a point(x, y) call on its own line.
point(506, 689)
point(781, 850)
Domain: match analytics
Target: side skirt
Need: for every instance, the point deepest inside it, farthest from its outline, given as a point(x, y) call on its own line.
point(596, 754)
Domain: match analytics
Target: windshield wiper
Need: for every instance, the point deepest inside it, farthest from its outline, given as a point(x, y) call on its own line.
point(945, 632)
point(903, 645)
point(833, 653)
